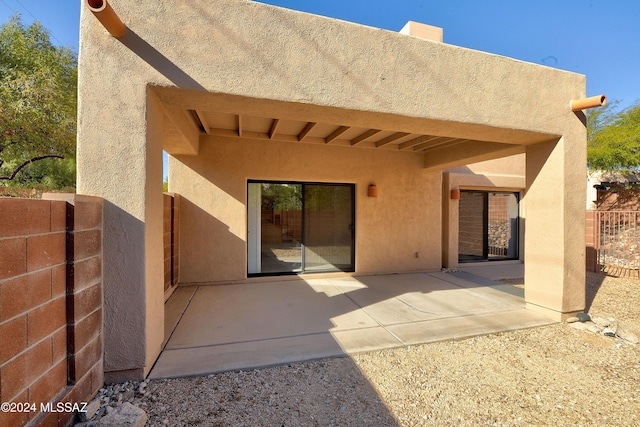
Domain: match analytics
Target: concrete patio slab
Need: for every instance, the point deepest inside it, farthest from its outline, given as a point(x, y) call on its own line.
point(242, 355)
point(466, 326)
point(367, 339)
point(222, 314)
point(174, 308)
point(496, 270)
point(241, 326)
point(414, 298)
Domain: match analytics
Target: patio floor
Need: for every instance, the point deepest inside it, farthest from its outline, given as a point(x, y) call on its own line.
point(216, 328)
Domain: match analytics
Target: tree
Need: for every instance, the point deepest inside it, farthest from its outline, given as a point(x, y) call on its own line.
point(38, 89)
point(613, 138)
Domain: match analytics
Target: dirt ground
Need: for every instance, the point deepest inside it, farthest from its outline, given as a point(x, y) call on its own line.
point(546, 376)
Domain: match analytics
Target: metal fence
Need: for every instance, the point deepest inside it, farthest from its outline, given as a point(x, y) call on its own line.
point(617, 242)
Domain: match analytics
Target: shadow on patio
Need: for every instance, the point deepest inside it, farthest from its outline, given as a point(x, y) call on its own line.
point(229, 327)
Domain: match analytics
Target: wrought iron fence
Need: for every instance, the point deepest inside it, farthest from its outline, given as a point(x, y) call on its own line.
point(617, 242)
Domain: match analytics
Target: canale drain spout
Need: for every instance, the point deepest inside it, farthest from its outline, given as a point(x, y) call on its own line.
point(592, 102)
point(107, 17)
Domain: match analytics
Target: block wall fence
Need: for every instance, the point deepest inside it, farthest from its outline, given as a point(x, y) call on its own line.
point(618, 200)
point(171, 235)
point(591, 241)
point(50, 304)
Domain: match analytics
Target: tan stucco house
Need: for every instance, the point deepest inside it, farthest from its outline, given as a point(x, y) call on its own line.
point(301, 144)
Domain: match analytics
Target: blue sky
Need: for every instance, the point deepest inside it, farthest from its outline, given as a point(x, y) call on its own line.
point(598, 38)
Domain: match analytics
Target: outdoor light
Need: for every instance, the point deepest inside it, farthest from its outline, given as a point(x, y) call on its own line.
point(455, 194)
point(372, 191)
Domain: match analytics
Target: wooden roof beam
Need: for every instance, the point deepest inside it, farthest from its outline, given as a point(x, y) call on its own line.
point(364, 136)
point(203, 121)
point(434, 143)
point(274, 128)
point(336, 133)
point(391, 138)
point(305, 132)
point(415, 141)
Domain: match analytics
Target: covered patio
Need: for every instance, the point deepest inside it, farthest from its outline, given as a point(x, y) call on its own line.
point(215, 328)
point(253, 94)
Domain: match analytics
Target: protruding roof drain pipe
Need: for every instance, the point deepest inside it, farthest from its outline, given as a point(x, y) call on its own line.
point(107, 17)
point(592, 102)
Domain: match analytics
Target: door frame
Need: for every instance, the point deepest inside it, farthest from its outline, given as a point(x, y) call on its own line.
point(254, 247)
point(515, 230)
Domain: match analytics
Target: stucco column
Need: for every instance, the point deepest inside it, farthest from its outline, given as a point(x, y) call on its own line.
point(124, 166)
point(119, 158)
point(555, 225)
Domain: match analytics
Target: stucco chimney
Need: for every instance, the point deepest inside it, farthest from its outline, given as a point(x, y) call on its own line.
point(423, 31)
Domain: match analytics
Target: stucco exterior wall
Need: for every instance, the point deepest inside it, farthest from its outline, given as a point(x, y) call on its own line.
point(251, 49)
point(240, 56)
point(390, 229)
point(511, 166)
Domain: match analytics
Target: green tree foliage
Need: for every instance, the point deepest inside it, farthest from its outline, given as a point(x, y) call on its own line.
point(613, 138)
point(281, 196)
point(38, 87)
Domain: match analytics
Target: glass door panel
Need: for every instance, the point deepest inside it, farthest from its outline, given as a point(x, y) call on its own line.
point(488, 226)
point(502, 226)
point(280, 228)
point(472, 226)
point(328, 227)
point(298, 227)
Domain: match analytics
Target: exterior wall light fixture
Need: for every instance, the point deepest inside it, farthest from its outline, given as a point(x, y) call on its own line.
point(455, 194)
point(372, 191)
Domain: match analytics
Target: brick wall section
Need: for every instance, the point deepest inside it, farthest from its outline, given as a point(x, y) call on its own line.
point(50, 304)
point(171, 203)
point(619, 200)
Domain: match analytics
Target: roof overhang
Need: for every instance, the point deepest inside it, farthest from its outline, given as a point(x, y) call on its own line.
point(195, 117)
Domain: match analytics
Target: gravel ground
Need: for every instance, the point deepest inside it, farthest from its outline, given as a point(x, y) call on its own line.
point(553, 375)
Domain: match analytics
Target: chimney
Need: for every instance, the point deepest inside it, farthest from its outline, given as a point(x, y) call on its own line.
point(423, 31)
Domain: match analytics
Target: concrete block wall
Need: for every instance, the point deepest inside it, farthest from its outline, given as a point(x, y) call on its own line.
point(591, 237)
point(171, 236)
point(50, 305)
point(618, 200)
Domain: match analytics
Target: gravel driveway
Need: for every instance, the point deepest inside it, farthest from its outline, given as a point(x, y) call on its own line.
point(554, 375)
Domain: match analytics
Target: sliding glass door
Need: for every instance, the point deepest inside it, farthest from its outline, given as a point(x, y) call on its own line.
point(488, 226)
point(300, 227)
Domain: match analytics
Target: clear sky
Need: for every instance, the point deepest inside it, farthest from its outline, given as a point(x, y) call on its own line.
point(598, 38)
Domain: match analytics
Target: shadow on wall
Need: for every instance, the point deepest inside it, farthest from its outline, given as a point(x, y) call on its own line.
point(158, 61)
point(222, 248)
point(124, 296)
point(334, 68)
point(619, 199)
point(213, 170)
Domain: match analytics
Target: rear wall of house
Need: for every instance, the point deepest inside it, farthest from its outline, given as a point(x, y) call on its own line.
point(404, 219)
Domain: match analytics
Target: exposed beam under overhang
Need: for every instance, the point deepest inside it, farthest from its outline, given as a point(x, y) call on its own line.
point(464, 152)
point(181, 133)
